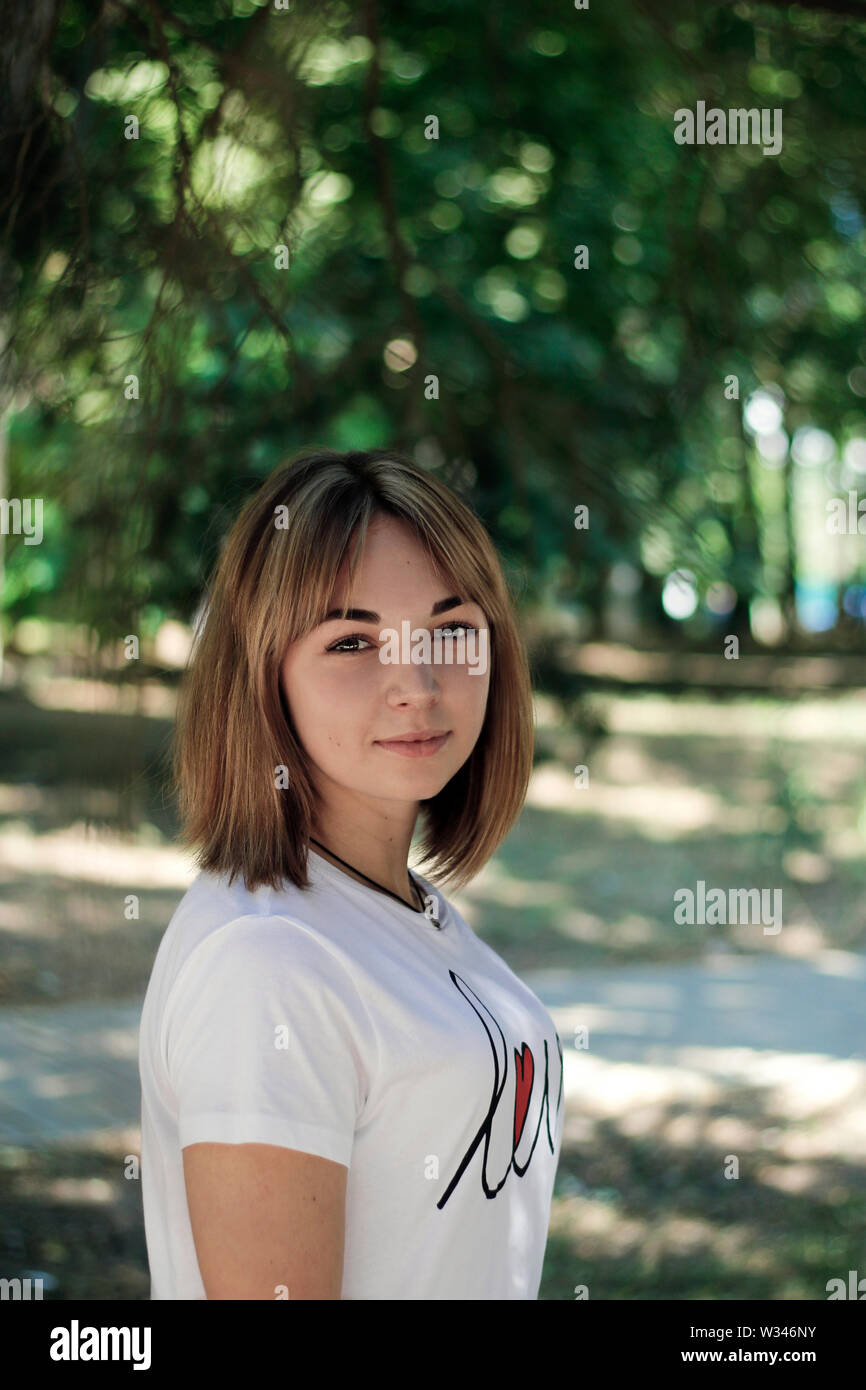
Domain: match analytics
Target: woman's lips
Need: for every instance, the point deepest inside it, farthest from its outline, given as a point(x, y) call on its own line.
point(419, 748)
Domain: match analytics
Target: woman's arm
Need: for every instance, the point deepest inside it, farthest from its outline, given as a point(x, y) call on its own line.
point(264, 1217)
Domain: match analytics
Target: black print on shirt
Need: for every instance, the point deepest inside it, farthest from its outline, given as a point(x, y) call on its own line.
point(525, 1069)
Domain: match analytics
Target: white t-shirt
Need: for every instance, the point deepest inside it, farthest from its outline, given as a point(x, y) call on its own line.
point(336, 1021)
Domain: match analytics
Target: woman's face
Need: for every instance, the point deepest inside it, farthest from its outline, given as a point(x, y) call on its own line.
point(346, 703)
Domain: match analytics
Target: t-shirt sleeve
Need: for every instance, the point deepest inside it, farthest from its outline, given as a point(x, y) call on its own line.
point(264, 1034)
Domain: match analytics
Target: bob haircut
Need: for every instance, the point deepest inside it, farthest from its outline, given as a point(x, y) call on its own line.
point(272, 584)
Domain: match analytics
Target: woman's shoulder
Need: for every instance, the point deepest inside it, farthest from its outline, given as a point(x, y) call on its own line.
point(225, 922)
point(214, 900)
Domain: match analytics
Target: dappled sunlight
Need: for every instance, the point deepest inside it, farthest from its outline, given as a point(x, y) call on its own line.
point(75, 1070)
point(836, 718)
point(495, 885)
point(85, 1190)
point(807, 867)
point(581, 926)
point(20, 800)
point(601, 1229)
point(659, 812)
point(601, 1226)
point(795, 1178)
point(754, 670)
point(664, 806)
point(148, 699)
point(653, 1144)
point(846, 963)
point(819, 1101)
point(78, 855)
point(61, 1087)
point(711, 1058)
point(83, 906)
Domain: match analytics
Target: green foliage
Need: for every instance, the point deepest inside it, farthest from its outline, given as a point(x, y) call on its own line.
point(258, 128)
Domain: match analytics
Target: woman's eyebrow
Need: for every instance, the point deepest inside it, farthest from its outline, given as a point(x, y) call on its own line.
point(366, 615)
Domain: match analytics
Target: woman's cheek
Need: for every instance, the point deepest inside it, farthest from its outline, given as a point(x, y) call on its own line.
point(343, 685)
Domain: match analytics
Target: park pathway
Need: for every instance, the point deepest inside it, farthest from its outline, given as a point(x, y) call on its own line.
point(790, 1031)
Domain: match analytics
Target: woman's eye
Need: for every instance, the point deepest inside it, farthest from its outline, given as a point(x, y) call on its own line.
point(340, 646)
point(353, 637)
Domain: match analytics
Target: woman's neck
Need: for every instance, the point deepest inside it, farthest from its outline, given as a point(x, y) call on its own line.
point(383, 861)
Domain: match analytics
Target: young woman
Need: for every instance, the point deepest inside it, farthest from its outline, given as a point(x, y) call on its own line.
point(345, 1092)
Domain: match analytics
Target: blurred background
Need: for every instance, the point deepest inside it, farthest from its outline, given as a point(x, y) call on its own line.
point(232, 230)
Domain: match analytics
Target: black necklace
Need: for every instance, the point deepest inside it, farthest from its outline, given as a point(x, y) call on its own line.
point(395, 896)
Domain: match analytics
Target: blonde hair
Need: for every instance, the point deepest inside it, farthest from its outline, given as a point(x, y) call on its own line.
point(271, 585)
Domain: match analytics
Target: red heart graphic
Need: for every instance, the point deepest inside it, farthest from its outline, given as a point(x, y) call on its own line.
point(525, 1066)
